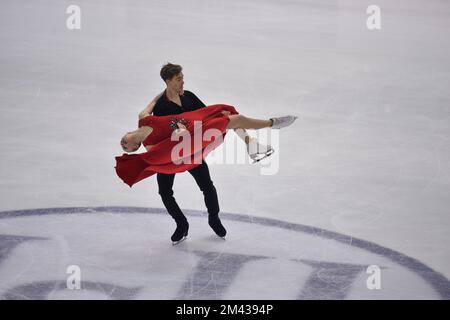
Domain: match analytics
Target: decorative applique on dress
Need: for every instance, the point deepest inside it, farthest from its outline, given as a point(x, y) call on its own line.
point(132, 168)
point(174, 121)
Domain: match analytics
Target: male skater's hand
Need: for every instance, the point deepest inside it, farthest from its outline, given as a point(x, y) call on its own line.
point(149, 109)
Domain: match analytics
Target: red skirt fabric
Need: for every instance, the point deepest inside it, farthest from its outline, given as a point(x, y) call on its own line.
point(185, 153)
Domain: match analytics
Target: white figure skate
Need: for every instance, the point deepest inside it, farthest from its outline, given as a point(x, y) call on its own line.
point(257, 151)
point(282, 122)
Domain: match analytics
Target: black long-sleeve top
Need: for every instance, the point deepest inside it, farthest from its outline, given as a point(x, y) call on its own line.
point(165, 107)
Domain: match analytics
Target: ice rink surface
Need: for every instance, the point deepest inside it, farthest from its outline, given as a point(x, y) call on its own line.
point(369, 158)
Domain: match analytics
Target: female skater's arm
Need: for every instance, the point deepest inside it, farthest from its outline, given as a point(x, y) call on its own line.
point(149, 109)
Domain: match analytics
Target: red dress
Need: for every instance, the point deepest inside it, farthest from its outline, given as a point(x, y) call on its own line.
point(132, 168)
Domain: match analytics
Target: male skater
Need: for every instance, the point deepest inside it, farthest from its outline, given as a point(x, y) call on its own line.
point(175, 100)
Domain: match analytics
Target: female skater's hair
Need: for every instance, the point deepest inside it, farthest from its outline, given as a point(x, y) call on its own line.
point(122, 143)
point(169, 70)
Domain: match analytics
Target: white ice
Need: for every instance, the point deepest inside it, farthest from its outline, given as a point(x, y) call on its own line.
point(369, 156)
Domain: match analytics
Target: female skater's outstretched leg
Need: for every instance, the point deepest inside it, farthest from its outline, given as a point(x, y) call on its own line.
point(257, 151)
point(243, 122)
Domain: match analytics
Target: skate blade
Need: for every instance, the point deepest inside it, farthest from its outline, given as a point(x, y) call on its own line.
point(174, 243)
point(268, 154)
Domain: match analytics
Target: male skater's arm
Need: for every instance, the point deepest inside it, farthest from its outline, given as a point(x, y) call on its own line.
point(149, 109)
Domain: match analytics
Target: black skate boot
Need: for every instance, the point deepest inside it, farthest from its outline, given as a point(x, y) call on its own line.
point(216, 225)
point(180, 233)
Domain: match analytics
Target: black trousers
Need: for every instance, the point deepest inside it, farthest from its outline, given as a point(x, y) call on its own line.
point(203, 179)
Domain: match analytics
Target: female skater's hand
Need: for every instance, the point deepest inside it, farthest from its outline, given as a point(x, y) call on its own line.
point(225, 113)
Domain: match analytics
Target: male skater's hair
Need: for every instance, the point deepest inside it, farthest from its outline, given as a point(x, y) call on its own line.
point(169, 70)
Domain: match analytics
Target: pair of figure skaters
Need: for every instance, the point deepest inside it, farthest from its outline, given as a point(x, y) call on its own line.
point(174, 113)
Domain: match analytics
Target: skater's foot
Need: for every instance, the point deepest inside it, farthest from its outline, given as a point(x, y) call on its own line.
point(281, 122)
point(216, 225)
point(180, 233)
point(257, 151)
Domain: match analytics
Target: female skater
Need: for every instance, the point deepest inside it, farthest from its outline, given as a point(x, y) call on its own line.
point(160, 135)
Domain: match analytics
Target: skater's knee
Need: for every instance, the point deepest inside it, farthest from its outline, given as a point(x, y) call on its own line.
point(209, 190)
point(165, 193)
point(236, 121)
point(207, 187)
point(239, 120)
